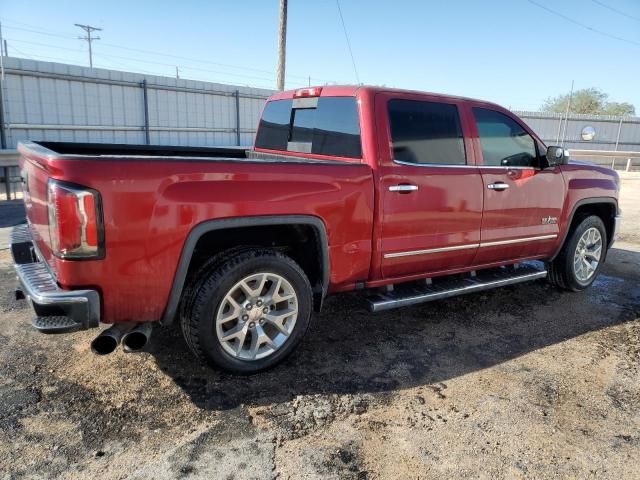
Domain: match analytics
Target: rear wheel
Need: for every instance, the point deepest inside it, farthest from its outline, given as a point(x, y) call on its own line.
point(581, 257)
point(249, 312)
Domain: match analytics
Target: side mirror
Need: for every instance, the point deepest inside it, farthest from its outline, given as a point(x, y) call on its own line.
point(557, 156)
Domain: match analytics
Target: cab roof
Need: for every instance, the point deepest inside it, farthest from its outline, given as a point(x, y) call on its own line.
point(353, 90)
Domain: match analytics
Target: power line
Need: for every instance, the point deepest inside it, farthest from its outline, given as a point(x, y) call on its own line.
point(346, 35)
point(33, 56)
point(89, 29)
point(107, 63)
point(51, 33)
point(637, 19)
point(172, 65)
point(34, 26)
point(40, 32)
point(109, 58)
point(57, 47)
point(575, 22)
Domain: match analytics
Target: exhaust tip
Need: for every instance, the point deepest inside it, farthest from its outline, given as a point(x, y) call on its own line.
point(134, 342)
point(137, 338)
point(104, 344)
point(108, 341)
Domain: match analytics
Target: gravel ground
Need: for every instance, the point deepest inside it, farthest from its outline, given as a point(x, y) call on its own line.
point(523, 382)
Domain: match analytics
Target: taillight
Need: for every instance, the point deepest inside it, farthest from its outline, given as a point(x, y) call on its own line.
point(75, 221)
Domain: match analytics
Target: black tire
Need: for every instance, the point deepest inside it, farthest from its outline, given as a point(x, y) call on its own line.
point(203, 298)
point(561, 269)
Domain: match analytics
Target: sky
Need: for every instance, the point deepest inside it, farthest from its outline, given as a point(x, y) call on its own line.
point(513, 52)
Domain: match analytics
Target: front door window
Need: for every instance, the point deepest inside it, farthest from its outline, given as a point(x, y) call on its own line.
point(504, 142)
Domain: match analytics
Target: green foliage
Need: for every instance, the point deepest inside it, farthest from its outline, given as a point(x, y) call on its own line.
point(588, 100)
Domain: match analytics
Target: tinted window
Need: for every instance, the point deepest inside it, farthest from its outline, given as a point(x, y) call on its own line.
point(504, 142)
point(273, 132)
point(426, 132)
point(331, 127)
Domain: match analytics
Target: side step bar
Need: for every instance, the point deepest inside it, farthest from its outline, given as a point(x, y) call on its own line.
point(413, 293)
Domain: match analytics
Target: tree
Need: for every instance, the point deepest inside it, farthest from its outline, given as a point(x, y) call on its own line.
point(588, 100)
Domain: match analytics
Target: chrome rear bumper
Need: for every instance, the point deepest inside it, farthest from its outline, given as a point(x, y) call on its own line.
point(39, 284)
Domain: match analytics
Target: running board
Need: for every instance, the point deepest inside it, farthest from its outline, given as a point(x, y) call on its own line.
point(414, 293)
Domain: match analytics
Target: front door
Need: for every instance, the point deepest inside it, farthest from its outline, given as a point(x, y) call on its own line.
point(523, 200)
point(431, 194)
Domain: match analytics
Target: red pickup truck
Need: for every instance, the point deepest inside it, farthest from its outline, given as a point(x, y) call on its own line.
point(412, 196)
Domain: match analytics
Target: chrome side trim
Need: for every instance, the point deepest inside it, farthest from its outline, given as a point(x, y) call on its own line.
point(471, 245)
point(505, 167)
point(444, 165)
point(436, 165)
point(431, 250)
point(518, 240)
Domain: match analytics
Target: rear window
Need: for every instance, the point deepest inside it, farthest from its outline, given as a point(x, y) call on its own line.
point(426, 132)
point(324, 126)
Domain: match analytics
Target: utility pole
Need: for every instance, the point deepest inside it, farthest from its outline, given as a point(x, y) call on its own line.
point(282, 45)
point(177, 73)
point(89, 38)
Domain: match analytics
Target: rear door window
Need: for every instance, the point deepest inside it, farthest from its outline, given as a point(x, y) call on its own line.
point(426, 132)
point(324, 126)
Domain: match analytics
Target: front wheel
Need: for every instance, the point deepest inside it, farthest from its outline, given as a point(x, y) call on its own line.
point(249, 313)
point(581, 257)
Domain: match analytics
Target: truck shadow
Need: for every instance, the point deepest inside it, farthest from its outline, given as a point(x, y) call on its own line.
point(349, 350)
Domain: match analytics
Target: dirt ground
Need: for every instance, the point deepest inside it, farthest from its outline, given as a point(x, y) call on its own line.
point(521, 382)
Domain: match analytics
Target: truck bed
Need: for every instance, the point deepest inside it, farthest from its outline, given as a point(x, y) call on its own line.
point(152, 197)
point(122, 151)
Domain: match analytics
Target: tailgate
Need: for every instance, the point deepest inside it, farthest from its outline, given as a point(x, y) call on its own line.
point(34, 170)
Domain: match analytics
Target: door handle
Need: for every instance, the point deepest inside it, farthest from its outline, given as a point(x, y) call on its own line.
point(403, 188)
point(498, 186)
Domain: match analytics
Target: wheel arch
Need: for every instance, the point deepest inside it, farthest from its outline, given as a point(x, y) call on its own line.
point(604, 207)
point(200, 231)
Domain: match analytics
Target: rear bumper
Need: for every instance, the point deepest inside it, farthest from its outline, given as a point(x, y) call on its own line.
point(39, 284)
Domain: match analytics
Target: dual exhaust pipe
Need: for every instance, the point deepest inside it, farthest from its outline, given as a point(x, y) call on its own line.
point(133, 337)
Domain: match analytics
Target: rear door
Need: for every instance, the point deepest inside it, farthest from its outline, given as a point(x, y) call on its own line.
point(522, 198)
point(430, 189)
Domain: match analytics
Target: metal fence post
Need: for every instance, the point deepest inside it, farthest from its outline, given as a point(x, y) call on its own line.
point(146, 112)
point(7, 186)
point(617, 142)
point(618, 136)
point(237, 95)
point(3, 136)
